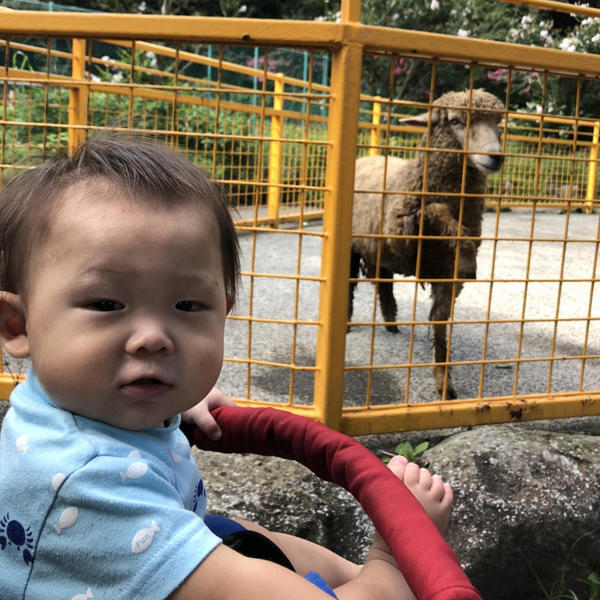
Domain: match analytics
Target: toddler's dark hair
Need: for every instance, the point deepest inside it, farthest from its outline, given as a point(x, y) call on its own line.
point(149, 173)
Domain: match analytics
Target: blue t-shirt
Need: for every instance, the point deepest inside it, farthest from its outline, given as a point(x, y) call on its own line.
point(88, 510)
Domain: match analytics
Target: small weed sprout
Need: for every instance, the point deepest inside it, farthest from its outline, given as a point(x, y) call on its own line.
point(406, 449)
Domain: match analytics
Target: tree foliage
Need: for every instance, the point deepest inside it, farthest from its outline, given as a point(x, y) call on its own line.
point(489, 20)
point(395, 76)
point(263, 9)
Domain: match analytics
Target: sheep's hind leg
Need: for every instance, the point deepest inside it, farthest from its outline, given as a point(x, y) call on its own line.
point(387, 302)
point(441, 294)
point(354, 268)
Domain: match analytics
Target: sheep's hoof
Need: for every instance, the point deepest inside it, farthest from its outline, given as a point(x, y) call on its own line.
point(450, 394)
point(392, 328)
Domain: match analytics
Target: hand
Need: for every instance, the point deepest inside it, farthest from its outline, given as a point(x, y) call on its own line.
point(200, 414)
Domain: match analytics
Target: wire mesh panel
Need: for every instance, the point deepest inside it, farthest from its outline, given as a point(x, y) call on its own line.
point(276, 116)
point(261, 134)
point(525, 321)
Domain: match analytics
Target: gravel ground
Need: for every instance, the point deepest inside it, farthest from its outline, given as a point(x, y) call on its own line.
point(277, 253)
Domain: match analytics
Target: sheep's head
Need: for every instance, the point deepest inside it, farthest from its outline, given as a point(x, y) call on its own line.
point(475, 130)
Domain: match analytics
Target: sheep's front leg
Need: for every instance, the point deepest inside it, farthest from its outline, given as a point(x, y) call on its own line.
point(354, 268)
point(387, 302)
point(439, 221)
point(441, 295)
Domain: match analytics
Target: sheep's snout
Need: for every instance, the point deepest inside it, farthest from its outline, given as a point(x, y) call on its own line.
point(487, 163)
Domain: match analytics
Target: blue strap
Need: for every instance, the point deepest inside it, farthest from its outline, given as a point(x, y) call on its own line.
point(222, 526)
point(317, 580)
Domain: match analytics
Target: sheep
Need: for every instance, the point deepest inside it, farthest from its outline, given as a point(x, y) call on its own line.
point(450, 128)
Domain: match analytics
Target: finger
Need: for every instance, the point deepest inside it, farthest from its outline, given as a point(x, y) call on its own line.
point(217, 398)
point(209, 427)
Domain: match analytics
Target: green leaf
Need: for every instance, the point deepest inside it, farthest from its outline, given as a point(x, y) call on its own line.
point(594, 582)
point(405, 449)
point(421, 448)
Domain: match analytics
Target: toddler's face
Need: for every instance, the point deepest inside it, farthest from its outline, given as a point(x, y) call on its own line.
point(126, 310)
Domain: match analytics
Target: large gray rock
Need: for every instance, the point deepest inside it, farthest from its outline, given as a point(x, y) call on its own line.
point(282, 495)
point(523, 496)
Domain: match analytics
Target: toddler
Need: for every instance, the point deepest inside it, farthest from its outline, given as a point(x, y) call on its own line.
point(119, 266)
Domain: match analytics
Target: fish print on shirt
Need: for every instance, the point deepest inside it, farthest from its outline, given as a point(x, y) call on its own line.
point(68, 518)
point(57, 480)
point(183, 450)
point(175, 457)
point(22, 443)
point(136, 469)
point(88, 594)
point(143, 539)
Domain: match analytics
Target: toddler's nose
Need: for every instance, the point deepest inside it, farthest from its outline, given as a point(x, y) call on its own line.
point(149, 336)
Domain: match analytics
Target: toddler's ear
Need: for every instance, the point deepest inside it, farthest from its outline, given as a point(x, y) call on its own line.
point(13, 327)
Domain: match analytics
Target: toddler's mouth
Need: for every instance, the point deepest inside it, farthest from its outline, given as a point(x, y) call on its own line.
point(146, 387)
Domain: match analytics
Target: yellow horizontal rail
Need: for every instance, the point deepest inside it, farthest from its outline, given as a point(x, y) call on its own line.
point(163, 93)
point(214, 62)
point(468, 412)
point(470, 50)
point(171, 53)
point(307, 34)
point(301, 34)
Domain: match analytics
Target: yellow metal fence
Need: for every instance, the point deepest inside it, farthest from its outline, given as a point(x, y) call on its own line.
point(524, 337)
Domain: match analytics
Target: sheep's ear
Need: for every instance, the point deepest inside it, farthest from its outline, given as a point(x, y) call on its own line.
point(423, 119)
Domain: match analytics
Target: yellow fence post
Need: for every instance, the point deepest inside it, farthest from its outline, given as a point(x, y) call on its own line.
point(350, 11)
point(375, 121)
point(274, 195)
point(346, 66)
point(590, 191)
point(78, 97)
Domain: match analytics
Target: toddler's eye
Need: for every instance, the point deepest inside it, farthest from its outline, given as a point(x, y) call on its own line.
point(106, 305)
point(189, 306)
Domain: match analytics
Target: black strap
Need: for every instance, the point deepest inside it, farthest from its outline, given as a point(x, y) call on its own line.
point(256, 545)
